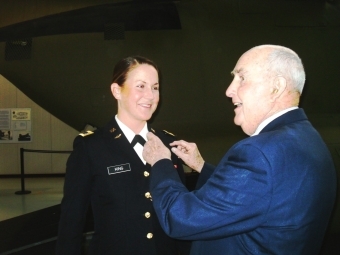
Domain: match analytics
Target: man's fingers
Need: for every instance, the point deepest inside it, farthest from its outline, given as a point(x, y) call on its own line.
point(183, 149)
point(150, 136)
point(179, 143)
point(178, 152)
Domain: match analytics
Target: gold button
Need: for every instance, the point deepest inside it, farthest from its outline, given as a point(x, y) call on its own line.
point(149, 235)
point(147, 195)
point(147, 215)
point(146, 173)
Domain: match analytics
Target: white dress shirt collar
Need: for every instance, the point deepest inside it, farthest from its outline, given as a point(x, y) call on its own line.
point(129, 134)
point(271, 118)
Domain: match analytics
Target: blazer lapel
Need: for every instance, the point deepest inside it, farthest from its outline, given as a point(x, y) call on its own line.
point(285, 119)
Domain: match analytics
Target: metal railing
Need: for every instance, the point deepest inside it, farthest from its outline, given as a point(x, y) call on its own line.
point(22, 167)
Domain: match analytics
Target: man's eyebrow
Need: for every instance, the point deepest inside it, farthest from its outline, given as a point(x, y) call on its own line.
point(235, 71)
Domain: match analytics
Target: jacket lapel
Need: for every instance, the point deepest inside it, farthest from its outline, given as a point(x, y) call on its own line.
point(118, 143)
point(285, 119)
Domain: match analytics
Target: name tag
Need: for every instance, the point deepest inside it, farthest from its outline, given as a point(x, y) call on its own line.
point(118, 169)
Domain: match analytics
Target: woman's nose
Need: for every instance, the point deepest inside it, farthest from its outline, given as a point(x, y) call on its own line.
point(149, 93)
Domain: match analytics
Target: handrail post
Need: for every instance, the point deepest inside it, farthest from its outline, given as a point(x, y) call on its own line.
point(22, 175)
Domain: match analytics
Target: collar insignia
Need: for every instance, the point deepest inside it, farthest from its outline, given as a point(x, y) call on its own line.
point(86, 133)
point(168, 133)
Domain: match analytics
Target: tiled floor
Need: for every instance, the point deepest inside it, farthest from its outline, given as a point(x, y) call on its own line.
point(45, 192)
point(28, 222)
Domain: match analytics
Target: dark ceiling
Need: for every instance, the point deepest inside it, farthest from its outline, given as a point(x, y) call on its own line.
point(196, 43)
point(154, 15)
point(131, 16)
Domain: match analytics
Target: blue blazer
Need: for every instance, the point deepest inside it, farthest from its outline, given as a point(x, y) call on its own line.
point(272, 193)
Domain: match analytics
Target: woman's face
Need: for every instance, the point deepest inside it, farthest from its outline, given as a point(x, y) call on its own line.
point(139, 96)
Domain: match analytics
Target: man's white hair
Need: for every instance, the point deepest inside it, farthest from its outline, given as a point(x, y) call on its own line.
point(286, 63)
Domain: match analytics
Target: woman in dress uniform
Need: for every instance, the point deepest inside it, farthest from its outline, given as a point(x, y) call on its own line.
point(107, 171)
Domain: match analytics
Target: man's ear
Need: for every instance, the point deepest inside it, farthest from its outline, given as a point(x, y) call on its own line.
point(279, 86)
point(116, 90)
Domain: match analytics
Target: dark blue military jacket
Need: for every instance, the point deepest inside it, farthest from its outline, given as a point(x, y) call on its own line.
point(105, 171)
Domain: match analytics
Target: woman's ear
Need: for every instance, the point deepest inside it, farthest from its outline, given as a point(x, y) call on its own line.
point(115, 90)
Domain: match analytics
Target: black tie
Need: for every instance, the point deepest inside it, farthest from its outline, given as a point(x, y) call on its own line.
point(137, 139)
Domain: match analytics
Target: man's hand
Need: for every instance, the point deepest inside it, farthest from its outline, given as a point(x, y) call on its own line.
point(189, 153)
point(154, 150)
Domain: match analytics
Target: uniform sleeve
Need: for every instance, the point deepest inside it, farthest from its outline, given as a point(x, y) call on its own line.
point(177, 162)
point(183, 247)
point(205, 174)
point(74, 205)
point(234, 199)
point(179, 167)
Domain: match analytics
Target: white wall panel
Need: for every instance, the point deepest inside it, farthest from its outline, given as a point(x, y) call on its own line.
point(48, 133)
point(62, 140)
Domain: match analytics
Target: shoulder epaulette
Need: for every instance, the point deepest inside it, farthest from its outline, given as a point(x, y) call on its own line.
point(168, 133)
point(86, 133)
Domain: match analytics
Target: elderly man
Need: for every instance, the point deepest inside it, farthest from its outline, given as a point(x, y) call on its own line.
point(273, 192)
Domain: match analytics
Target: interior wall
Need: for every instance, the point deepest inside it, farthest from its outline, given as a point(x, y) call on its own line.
point(48, 133)
point(195, 63)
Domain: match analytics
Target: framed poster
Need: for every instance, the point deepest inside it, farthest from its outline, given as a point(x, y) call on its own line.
point(15, 125)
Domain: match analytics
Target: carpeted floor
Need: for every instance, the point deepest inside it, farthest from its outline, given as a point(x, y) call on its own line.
point(29, 223)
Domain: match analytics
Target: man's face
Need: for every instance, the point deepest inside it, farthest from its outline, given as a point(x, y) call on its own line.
point(250, 91)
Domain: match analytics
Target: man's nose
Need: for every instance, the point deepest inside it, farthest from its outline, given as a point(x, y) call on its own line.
point(230, 90)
